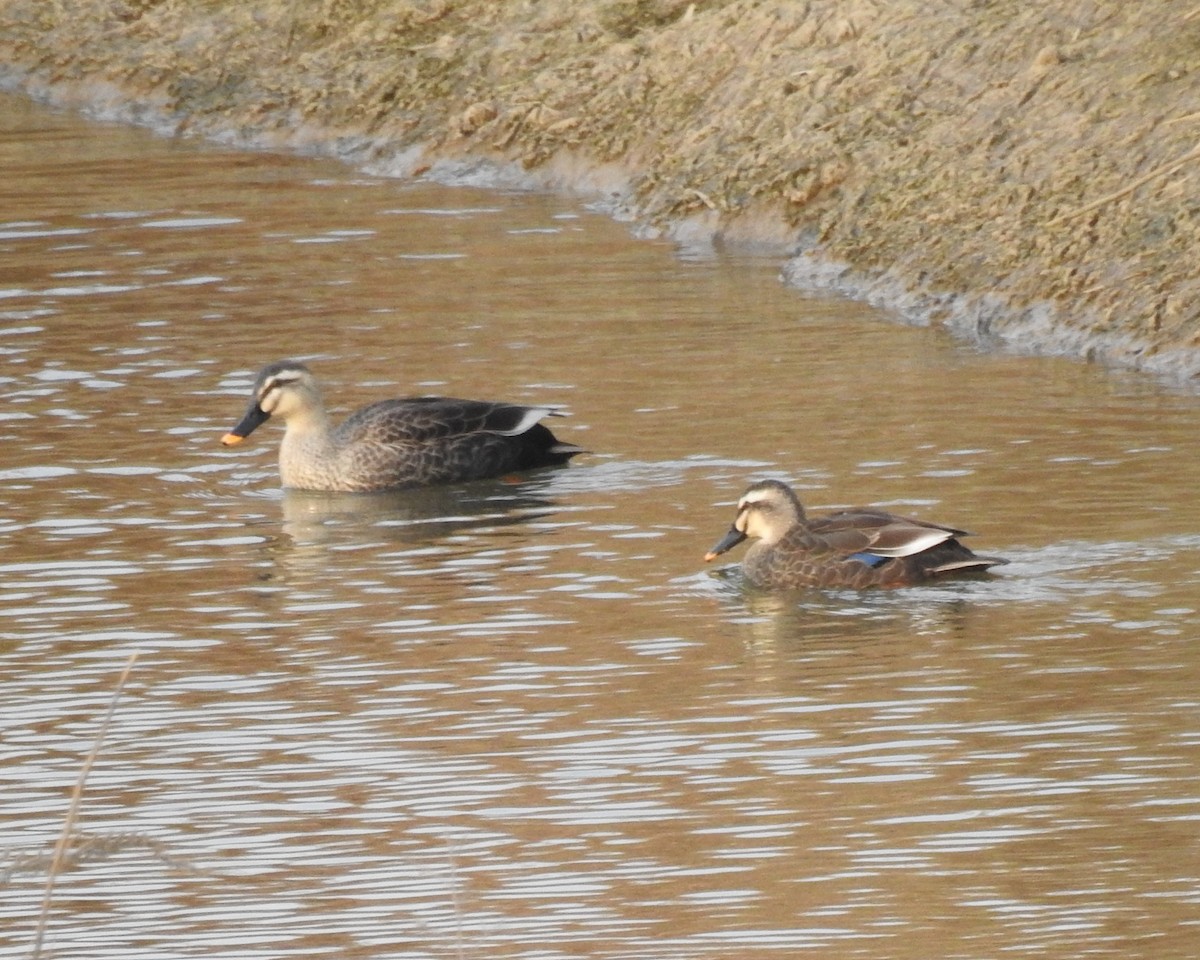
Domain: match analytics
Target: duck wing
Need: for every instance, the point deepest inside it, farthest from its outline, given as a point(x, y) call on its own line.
point(425, 419)
point(879, 533)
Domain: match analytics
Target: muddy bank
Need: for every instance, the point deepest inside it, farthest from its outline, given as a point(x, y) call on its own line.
point(1024, 174)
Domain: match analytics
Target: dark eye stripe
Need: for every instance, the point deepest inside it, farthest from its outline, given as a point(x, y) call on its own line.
point(276, 383)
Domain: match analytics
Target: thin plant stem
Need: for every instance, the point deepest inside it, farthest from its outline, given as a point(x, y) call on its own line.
point(1154, 174)
point(64, 841)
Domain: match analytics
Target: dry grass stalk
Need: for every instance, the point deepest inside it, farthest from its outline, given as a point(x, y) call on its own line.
point(1162, 171)
point(64, 841)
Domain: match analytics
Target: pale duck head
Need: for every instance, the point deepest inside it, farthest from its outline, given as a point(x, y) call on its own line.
point(284, 389)
point(766, 511)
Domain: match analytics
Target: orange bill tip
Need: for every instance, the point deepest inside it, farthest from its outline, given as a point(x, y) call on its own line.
point(230, 439)
point(710, 556)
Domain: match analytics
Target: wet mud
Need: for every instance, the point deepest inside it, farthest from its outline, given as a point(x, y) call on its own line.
point(1025, 175)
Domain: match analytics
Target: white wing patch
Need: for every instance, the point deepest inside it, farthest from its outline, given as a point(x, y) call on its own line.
point(531, 416)
point(921, 538)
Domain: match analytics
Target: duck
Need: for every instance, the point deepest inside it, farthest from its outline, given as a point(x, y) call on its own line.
point(395, 444)
point(856, 548)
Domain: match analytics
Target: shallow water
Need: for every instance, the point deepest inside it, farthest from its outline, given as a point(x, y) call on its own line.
point(524, 720)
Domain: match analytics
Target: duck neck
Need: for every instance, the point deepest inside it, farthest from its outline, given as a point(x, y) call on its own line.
point(306, 452)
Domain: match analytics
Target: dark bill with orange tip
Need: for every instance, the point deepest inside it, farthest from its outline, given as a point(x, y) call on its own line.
point(727, 542)
point(255, 417)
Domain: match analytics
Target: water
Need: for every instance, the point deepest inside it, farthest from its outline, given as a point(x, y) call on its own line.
point(524, 720)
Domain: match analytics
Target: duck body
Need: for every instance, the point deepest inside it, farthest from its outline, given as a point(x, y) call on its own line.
point(857, 548)
point(394, 444)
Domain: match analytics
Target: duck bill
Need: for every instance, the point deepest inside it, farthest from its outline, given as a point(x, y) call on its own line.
point(727, 542)
point(253, 419)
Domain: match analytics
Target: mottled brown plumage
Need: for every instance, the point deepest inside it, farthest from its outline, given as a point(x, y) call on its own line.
point(392, 444)
point(861, 547)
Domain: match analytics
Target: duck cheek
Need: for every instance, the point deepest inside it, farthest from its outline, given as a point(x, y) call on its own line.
point(749, 525)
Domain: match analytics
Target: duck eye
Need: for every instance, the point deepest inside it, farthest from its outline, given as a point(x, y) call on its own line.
point(275, 384)
point(270, 392)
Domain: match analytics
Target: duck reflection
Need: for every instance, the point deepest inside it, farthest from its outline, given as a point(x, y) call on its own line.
point(409, 516)
point(847, 620)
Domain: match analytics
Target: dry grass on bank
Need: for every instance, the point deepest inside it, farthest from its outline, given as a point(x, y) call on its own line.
point(1026, 152)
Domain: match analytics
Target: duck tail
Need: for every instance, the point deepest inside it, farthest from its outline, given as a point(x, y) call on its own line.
point(566, 450)
point(966, 564)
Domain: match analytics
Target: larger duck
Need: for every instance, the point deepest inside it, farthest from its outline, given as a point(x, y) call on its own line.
point(860, 547)
point(393, 444)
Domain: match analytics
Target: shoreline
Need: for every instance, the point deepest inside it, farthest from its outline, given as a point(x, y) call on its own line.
point(1023, 182)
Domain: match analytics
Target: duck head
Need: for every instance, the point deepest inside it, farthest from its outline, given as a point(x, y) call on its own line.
point(766, 511)
point(284, 389)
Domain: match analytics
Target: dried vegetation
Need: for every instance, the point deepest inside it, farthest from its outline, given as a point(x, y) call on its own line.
point(1010, 154)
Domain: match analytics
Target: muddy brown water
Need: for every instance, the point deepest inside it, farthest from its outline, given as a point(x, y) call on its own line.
point(525, 720)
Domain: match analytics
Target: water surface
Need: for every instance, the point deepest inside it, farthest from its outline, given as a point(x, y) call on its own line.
point(524, 720)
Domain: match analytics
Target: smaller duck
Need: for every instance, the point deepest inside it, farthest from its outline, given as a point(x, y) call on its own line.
point(394, 444)
point(860, 547)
